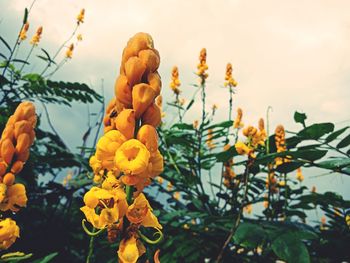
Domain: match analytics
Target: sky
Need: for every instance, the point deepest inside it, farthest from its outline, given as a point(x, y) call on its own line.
point(290, 55)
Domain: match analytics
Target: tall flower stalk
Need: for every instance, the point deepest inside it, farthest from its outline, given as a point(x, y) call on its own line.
point(127, 156)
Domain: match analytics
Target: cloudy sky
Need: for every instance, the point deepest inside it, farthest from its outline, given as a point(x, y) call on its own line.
point(291, 55)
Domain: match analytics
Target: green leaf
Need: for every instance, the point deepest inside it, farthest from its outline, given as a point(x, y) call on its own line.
point(224, 124)
point(249, 235)
point(289, 167)
point(190, 104)
point(225, 155)
point(335, 163)
point(335, 134)
point(300, 118)
point(5, 43)
point(289, 247)
point(46, 259)
point(316, 131)
point(344, 142)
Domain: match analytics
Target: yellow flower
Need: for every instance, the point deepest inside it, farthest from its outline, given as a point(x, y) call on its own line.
point(243, 149)
point(69, 52)
point(263, 134)
point(169, 186)
point(80, 16)
point(175, 82)
point(238, 121)
point(79, 37)
point(125, 123)
point(9, 232)
point(228, 77)
point(132, 158)
point(177, 196)
point(23, 33)
point(111, 182)
point(15, 197)
point(67, 178)
point(186, 226)
point(147, 134)
point(160, 180)
point(36, 38)
point(106, 148)
point(142, 97)
point(248, 209)
point(152, 115)
point(140, 212)
point(195, 124)
point(300, 176)
point(113, 202)
point(211, 145)
point(130, 250)
point(202, 66)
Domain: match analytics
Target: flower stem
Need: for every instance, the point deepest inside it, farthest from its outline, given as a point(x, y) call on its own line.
point(91, 249)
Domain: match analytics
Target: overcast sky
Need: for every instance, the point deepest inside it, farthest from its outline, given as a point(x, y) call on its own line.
point(291, 55)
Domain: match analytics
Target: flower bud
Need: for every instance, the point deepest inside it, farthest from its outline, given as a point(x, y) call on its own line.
point(7, 150)
point(17, 167)
point(21, 127)
point(134, 69)
point(152, 115)
point(123, 90)
point(23, 143)
point(142, 97)
point(125, 123)
point(147, 134)
point(9, 179)
point(150, 58)
point(155, 82)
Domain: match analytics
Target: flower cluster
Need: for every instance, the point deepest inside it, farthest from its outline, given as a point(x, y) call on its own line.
point(36, 38)
point(211, 145)
point(69, 51)
point(228, 174)
point(127, 155)
point(255, 137)
point(238, 121)
point(16, 139)
point(175, 82)
point(202, 66)
point(280, 139)
point(23, 34)
point(229, 80)
point(81, 16)
point(299, 175)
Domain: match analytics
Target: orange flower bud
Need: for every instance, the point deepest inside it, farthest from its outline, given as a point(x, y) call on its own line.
point(138, 42)
point(7, 150)
point(150, 58)
point(22, 127)
point(3, 167)
point(9, 179)
point(17, 167)
point(23, 156)
point(147, 134)
point(142, 97)
point(125, 123)
point(8, 132)
point(155, 82)
point(23, 143)
point(152, 115)
point(123, 90)
point(134, 69)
